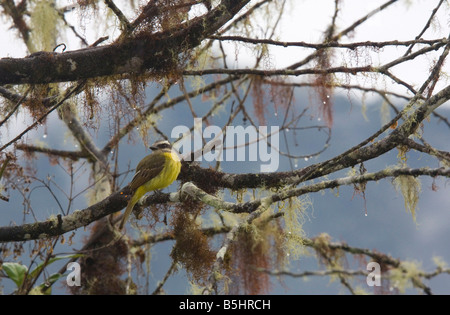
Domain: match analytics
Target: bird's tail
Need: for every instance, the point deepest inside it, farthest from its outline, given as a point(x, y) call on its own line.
point(134, 199)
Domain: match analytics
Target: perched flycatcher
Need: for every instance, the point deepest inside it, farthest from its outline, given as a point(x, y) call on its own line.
point(156, 171)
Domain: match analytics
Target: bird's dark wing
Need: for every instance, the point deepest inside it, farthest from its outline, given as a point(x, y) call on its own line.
point(148, 168)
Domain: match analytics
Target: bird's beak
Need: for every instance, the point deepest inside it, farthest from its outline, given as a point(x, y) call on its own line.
point(153, 148)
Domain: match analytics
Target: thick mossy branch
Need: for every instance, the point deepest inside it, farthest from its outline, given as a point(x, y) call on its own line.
point(143, 52)
point(62, 224)
point(117, 201)
point(196, 174)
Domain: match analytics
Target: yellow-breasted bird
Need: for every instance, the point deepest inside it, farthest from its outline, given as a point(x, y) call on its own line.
point(156, 171)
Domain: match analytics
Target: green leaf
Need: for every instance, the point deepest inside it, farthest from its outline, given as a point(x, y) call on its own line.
point(38, 269)
point(16, 272)
point(46, 288)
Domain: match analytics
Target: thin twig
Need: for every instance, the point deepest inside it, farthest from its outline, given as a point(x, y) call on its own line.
point(65, 97)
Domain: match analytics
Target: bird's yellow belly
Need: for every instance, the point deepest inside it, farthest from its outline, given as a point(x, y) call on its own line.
point(167, 176)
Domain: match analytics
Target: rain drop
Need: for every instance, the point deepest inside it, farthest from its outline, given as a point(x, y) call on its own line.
point(365, 214)
point(44, 136)
point(306, 159)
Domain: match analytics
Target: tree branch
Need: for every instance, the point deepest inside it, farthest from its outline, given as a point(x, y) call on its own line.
point(143, 52)
point(67, 94)
point(74, 155)
point(118, 200)
point(62, 224)
point(334, 44)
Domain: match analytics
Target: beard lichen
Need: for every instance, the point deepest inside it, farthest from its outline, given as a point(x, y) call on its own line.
point(406, 275)
point(45, 25)
point(410, 188)
point(192, 248)
point(250, 253)
point(294, 210)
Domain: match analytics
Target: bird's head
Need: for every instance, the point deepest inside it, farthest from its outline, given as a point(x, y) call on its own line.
point(161, 145)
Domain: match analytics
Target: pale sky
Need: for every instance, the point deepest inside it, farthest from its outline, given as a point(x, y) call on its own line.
point(305, 21)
